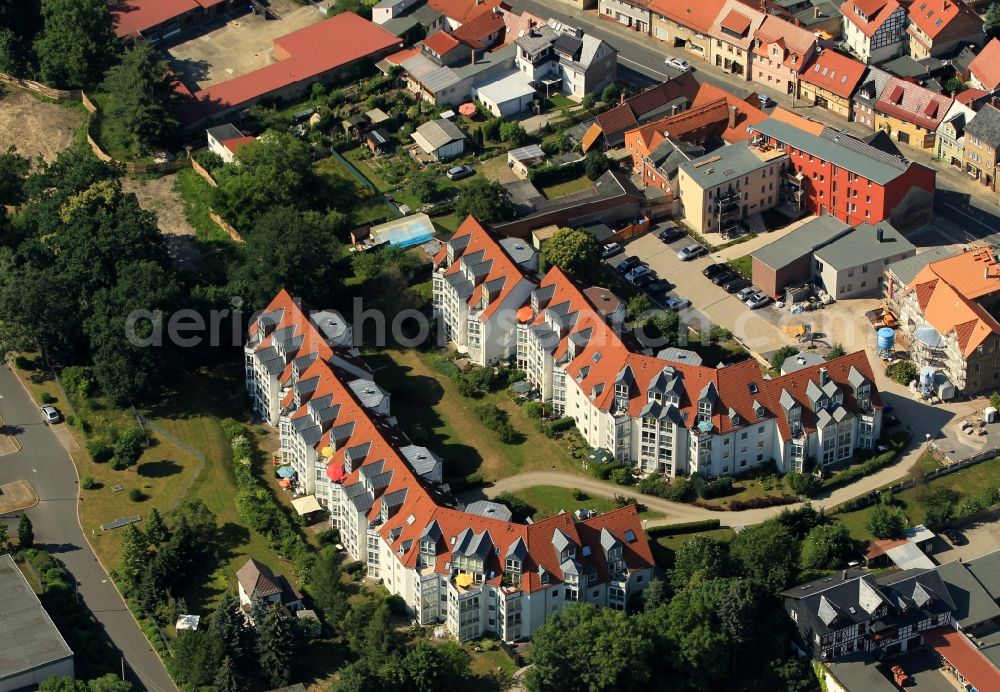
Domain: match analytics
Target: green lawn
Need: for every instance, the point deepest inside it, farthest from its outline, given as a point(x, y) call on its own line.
point(559, 101)
point(448, 223)
point(548, 500)
point(743, 265)
point(749, 488)
point(666, 547)
point(363, 164)
point(966, 482)
point(567, 187)
point(428, 403)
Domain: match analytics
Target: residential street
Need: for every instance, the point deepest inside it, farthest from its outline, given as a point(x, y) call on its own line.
point(961, 204)
point(46, 465)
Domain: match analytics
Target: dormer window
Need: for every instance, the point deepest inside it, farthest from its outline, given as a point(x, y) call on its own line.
point(621, 396)
point(567, 553)
point(704, 410)
point(513, 565)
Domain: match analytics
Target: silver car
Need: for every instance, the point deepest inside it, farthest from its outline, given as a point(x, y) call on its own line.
point(51, 414)
point(758, 300)
point(689, 252)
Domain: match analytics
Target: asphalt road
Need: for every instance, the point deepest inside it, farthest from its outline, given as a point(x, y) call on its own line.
point(46, 465)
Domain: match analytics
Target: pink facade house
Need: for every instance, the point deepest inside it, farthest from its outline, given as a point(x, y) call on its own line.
point(780, 52)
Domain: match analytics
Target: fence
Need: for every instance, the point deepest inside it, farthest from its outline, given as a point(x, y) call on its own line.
point(221, 223)
point(79, 96)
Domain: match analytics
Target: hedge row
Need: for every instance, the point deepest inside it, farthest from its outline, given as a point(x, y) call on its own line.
point(685, 527)
point(550, 174)
point(870, 466)
point(761, 502)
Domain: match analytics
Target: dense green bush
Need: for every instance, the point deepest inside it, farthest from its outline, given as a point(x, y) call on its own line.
point(685, 527)
point(622, 476)
point(562, 424)
point(99, 449)
point(805, 484)
point(136, 495)
point(497, 420)
point(719, 487)
point(761, 502)
point(47, 398)
point(88, 483)
point(128, 446)
point(902, 371)
point(677, 490)
point(872, 465)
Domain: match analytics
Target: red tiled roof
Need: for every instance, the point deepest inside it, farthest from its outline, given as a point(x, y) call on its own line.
point(501, 265)
point(463, 11)
point(695, 14)
point(796, 41)
point(476, 31)
point(440, 42)
point(736, 22)
point(956, 648)
point(627, 115)
point(835, 73)
point(132, 17)
point(235, 143)
point(985, 67)
point(877, 11)
point(934, 17)
point(913, 103)
point(969, 95)
point(316, 49)
point(402, 56)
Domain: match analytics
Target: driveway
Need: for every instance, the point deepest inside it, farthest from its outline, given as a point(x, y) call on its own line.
point(753, 327)
point(45, 464)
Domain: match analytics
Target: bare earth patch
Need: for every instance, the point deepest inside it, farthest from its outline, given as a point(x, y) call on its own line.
point(158, 195)
point(36, 128)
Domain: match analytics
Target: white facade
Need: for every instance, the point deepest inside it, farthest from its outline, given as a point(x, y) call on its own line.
point(886, 43)
point(389, 9)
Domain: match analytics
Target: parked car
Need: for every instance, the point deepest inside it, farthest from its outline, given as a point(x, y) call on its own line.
point(758, 300)
point(745, 293)
point(677, 303)
point(689, 252)
point(954, 537)
point(51, 414)
point(734, 285)
point(659, 286)
point(628, 263)
point(459, 172)
point(610, 250)
point(765, 100)
point(678, 64)
point(713, 270)
point(669, 235)
point(724, 277)
point(643, 280)
point(636, 271)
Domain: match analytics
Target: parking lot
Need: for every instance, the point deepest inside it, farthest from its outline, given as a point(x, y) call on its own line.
point(980, 537)
point(710, 304)
point(239, 46)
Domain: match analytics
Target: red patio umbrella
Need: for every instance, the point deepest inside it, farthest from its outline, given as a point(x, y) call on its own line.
point(467, 109)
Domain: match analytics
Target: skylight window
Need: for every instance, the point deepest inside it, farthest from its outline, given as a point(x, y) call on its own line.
point(630, 536)
point(752, 386)
point(586, 551)
point(596, 357)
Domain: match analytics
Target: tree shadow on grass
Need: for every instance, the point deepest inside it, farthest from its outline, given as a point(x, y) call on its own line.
point(216, 391)
point(159, 469)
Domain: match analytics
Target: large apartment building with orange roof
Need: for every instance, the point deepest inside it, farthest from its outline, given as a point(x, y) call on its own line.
point(949, 311)
point(674, 418)
point(479, 283)
point(469, 567)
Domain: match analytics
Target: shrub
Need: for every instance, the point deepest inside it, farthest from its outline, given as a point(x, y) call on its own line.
point(534, 410)
point(88, 483)
point(622, 476)
point(563, 424)
point(805, 484)
point(761, 502)
point(719, 487)
point(128, 447)
point(580, 496)
point(117, 464)
point(625, 501)
point(22, 363)
point(685, 527)
point(356, 569)
point(136, 495)
point(397, 606)
point(870, 466)
point(328, 537)
point(699, 484)
point(78, 381)
point(48, 398)
point(99, 449)
point(902, 371)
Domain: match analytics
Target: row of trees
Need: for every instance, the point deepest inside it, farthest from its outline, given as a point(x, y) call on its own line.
point(716, 618)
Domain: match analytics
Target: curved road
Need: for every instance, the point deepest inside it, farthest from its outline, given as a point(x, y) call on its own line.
point(675, 512)
point(46, 465)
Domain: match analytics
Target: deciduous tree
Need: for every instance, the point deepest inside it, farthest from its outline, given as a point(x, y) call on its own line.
point(701, 558)
point(77, 42)
point(574, 251)
point(886, 521)
point(826, 546)
point(767, 553)
point(487, 200)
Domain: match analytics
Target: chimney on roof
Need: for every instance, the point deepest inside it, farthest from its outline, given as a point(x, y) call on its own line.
point(816, 13)
point(621, 98)
point(578, 32)
point(732, 117)
point(824, 376)
point(843, 575)
point(878, 234)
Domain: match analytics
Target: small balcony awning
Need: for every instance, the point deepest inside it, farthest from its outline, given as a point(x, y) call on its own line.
point(464, 580)
point(307, 504)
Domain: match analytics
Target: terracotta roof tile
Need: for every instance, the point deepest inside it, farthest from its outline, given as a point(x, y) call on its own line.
point(934, 17)
point(986, 66)
point(877, 11)
point(835, 73)
point(696, 14)
point(956, 648)
point(440, 42)
point(463, 11)
point(913, 103)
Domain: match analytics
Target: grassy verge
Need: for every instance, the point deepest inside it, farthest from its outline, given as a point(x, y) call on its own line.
point(751, 488)
point(197, 197)
point(548, 500)
point(426, 401)
point(743, 265)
